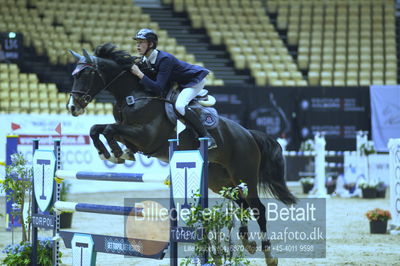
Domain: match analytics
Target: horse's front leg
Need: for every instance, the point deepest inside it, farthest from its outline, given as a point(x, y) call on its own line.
point(95, 132)
point(115, 131)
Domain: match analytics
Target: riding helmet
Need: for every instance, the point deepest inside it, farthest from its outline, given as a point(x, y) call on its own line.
point(147, 34)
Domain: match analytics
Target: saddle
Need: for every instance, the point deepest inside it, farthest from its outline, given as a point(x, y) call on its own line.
point(201, 104)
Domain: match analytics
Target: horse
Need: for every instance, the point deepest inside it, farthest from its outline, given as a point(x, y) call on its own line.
point(241, 155)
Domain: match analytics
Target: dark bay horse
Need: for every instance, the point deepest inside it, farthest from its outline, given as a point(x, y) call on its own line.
point(242, 155)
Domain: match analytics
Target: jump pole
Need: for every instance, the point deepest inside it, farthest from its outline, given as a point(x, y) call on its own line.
point(102, 209)
point(110, 176)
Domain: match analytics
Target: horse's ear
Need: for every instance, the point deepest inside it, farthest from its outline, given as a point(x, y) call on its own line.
point(76, 55)
point(87, 56)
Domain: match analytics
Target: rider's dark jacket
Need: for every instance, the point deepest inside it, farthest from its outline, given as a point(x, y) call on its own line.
point(169, 69)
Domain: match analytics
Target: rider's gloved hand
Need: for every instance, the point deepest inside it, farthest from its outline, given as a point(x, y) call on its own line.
point(136, 71)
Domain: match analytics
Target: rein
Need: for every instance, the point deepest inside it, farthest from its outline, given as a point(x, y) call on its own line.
point(113, 80)
point(154, 98)
point(87, 97)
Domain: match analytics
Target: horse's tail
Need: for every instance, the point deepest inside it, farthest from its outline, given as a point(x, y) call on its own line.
point(272, 168)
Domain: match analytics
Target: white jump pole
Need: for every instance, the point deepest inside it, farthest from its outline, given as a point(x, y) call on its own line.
point(319, 189)
point(111, 176)
point(394, 169)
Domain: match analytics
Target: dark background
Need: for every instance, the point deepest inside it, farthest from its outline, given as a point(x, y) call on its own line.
point(297, 112)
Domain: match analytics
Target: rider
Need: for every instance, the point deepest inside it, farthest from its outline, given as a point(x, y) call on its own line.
point(169, 69)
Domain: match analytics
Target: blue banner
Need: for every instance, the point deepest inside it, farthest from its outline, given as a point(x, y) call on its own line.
point(385, 114)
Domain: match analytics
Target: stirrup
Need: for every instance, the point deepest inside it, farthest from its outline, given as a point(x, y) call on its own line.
point(211, 143)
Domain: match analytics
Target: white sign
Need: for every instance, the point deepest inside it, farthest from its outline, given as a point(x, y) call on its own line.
point(394, 166)
point(186, 169)
point(378, 168)
point(83, 253)
point(350, 167)
point(44, 163)
point(378, 165)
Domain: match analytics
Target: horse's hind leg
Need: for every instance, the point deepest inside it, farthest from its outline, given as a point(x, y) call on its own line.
point(250, 246)
point(218, 178)
point(247, 171)
point(255, 203)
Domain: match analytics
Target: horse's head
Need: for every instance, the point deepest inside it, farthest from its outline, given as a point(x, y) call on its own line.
point(101, 71)
point(88, 82)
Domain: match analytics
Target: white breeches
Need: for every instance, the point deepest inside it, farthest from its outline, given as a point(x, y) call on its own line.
point(187, 95)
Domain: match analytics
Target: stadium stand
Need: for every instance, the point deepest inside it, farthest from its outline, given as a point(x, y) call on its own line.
point(197, 41)
point(53, 27)
point(246, 30)
point(341, 42)
point(336, 42)
point(23, 93)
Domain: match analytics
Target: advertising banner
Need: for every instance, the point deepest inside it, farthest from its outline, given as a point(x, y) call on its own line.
point(296, 113)
point(232, 102)
point(11, 46)
point(271, 111)
point(338, 111)
point(385, 114)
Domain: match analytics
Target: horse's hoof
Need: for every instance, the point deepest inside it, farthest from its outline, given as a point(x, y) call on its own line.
point(250, 246)
point(117, 153)
point(271, 261)
point(113, 159)
point(117, 160)
point(128, 155)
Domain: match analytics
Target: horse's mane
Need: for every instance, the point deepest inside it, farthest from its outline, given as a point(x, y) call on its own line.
point(109, 51)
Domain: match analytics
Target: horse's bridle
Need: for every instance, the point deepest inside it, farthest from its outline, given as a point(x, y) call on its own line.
point(87, 96)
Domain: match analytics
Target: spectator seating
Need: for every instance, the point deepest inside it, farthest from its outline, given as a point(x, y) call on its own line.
point(338, 42)
point(53, 27)
point(245, 29)
point(23, 93)
point(341, 42)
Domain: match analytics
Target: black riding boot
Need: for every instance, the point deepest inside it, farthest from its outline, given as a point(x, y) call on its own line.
point(193, 119)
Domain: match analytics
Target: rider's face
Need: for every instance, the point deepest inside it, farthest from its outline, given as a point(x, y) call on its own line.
point(141, 46)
